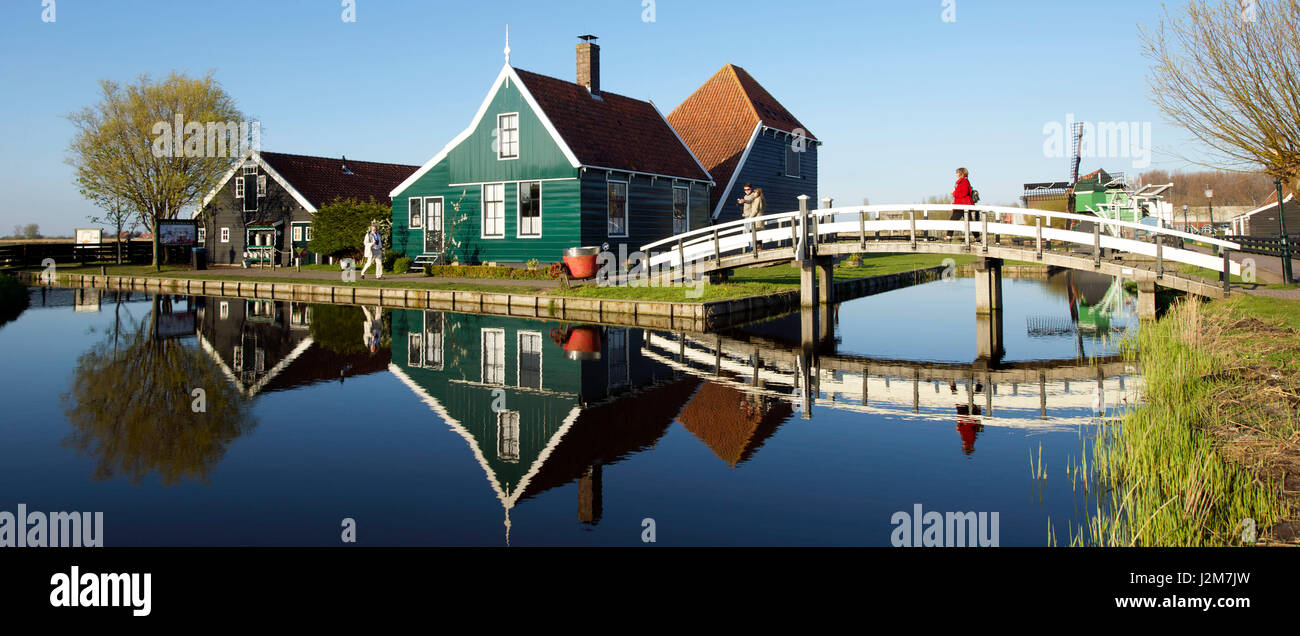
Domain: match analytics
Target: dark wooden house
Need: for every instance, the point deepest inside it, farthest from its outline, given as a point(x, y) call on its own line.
point(261, 210)
point(744, 135)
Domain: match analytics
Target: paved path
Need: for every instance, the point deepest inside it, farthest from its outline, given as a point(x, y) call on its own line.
point(1269, 271)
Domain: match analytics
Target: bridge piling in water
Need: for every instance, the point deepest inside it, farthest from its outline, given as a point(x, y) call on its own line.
point(988, 285)
point(1146, 299)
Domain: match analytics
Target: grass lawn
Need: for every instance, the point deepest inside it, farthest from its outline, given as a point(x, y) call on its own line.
point(1209, 274)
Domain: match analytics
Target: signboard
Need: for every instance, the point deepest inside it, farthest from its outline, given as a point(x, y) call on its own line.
point(178, 232)
point(177, 325)
point(89, 236)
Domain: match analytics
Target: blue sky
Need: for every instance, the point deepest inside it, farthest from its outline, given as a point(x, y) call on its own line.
point(899, 96)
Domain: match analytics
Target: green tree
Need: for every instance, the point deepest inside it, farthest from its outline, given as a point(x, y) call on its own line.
point(125, 147)
point(339, 228)
point(32, 231)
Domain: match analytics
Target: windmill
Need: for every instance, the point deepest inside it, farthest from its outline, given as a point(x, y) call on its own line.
point(1076, 147)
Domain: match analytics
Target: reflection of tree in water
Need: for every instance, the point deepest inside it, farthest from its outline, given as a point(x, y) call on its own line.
point(130, 407)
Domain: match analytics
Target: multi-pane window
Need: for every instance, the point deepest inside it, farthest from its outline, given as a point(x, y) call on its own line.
point(508, 435)
point(225, 235)
point(619, 370)
point(433, 340)
point(494, 356)
point(414, 349)
point(261, 185)
point(494, 210)
point(530, 359)
point(617, 209)
point(306, 234)
point(239, 187)
point(224, 309)
point(792, 156)
point(297, 234)
point(417, 213)
point(203, 234)
point(530, 208)
point(508, 136)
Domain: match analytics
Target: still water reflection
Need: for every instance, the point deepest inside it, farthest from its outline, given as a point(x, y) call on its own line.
point(224, 421)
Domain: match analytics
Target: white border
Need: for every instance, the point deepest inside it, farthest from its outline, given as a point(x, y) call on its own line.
point(519, 211)
point(482, 211)
point(627, 197)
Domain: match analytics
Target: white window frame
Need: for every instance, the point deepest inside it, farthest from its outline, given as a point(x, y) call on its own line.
point(483, 357)
point(261, 185)
point(225, 235)
point(297, 233)
point(519, 357)
point(415, 219)
point(306, 233)
point(627, 221)
point(429, 341)
point(519, 210)
point(250, 168)
point(483, 211)
point(415, 349)
point(239, 187)
point(508, 421)
point(501, 137)
point(790, 152)
point(223, 309)
point(203, 234)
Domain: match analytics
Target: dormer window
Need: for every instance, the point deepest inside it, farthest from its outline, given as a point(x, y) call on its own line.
point(508, 136)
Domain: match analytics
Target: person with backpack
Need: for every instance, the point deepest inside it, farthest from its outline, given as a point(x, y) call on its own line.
point(753, 206)
point(963, 194)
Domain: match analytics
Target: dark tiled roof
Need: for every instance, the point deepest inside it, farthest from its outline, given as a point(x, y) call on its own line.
point(322, 179)
point(717, 120)
point(613, 131)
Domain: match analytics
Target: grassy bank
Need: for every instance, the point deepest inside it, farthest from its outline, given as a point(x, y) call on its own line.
point(1215, 441)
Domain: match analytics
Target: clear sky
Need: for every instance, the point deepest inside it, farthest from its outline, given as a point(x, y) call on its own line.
point(899, 96)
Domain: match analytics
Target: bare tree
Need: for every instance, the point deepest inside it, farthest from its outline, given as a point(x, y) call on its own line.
point(1229, 72)
point(117, 214)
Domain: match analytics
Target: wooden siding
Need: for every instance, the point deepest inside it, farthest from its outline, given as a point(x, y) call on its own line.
point(224, 210)
point(765, 168)
point(650, 208)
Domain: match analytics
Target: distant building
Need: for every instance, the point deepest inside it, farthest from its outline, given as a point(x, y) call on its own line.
point(744, 135)
point(1264, 221)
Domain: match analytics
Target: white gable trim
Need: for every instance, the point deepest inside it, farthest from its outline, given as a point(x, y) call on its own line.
point(683, 143)
point(735, 174)
point(1269, 206)
point(507, 73)
point(297, 196)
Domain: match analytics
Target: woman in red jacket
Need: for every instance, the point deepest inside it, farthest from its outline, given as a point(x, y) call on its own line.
point(961, 195)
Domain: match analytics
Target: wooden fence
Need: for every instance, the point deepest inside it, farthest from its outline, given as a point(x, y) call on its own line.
point(1269, 246)
point(31, 255)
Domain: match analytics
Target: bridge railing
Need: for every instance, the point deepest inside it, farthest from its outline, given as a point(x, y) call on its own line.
point(734, 238)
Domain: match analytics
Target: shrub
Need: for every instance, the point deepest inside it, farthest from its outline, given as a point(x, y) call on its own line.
point(402, 265)
point(338, 229)
point(390, 259)
point(533, 264)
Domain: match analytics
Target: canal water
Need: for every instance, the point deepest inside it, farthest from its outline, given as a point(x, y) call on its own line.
point(196, 421)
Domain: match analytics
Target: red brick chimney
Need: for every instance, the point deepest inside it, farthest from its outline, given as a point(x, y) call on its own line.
point(589, 63)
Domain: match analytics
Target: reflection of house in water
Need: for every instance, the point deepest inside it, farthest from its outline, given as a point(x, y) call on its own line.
point(732, 423)
point(539, 404)
point(266, 345)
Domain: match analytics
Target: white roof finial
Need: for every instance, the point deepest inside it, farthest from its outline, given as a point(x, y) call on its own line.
point(507, 44)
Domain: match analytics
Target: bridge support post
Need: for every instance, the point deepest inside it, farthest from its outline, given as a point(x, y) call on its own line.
point(988, 338)
point(988, 285)
point(1146, 299)
point(816, 281)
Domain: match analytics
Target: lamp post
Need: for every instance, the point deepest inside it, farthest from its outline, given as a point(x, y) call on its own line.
point(1209, 196)
point(1286, 245)
point(1185, 226)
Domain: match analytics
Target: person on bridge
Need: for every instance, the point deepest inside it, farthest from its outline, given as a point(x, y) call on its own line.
point(961, 195)
point(752, 205)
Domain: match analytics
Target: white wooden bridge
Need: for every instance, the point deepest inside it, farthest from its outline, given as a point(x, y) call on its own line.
point(812, 238)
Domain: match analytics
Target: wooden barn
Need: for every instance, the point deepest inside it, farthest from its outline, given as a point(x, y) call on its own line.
point(744, 135)
point(547, 164)
point(260, 212)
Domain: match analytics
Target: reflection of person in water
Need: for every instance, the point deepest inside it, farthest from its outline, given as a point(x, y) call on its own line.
point(372, 328)
point(968, 427)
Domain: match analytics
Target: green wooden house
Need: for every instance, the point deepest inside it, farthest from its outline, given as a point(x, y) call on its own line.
point(547, 164)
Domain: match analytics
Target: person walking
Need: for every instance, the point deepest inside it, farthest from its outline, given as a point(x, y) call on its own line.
point(752, 206)
point(374, 248)
point(962, 195)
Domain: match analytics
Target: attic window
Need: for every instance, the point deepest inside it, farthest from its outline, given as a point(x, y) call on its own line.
point(508, 136)
point(250, 168)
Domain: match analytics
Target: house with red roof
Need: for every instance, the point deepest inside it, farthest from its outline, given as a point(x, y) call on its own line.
point(742, 134)
point(261, 209)
point(548, 164)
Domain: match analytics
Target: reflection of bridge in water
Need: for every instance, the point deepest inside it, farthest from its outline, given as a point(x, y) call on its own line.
point(1015, 395)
